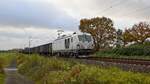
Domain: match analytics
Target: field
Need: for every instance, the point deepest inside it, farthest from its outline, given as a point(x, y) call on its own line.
point(59, 71)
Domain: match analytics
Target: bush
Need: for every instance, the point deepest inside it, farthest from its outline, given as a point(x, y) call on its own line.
point(132, 50)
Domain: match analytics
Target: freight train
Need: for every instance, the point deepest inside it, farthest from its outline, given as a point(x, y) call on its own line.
point(65, 45)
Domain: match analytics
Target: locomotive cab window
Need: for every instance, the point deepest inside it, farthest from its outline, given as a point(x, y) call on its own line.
point(71, 39)
point(85, 38)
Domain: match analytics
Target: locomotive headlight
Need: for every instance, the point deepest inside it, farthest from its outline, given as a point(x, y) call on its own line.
point(80, 46)
point(92, 46)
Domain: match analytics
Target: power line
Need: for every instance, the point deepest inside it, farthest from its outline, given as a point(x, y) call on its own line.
point(112, 6)
point(119, 3)
point(127, 14)
point(120, 10)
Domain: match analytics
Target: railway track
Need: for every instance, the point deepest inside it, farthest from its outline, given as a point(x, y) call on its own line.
point(119, 60)
point(127, 64)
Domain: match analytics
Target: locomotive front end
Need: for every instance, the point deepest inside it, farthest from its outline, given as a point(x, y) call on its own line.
point(85, 44)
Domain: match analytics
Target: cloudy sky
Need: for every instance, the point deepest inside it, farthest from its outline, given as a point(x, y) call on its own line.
point(40, 19)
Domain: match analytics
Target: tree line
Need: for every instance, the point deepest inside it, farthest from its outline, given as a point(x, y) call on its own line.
point(105, 35)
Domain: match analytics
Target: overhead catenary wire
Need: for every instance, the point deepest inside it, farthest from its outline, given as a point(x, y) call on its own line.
point(119, 9)
point(125, 14)
point(110, 7)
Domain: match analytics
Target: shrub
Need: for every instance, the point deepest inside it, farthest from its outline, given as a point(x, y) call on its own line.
point(132, 50)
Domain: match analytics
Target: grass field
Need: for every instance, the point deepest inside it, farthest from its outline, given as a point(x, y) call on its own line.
point(59, 71)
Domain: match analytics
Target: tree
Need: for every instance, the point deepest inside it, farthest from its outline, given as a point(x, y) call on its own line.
point(101, 29)
point(127, 37)
point(138, 33)
point(119, 38)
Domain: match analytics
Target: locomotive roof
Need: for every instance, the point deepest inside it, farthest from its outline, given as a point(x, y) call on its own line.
point(66, 36)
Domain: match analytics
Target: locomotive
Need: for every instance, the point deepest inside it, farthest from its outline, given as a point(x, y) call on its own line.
point(66, 45)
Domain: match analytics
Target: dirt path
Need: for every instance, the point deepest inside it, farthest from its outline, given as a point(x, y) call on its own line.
point(13, 77)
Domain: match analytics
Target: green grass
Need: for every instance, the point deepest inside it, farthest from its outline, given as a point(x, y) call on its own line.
point(59, 71)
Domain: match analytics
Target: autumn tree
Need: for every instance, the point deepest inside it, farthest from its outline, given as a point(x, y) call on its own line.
point(101, 29)
point(138, 33)
point(126, 36)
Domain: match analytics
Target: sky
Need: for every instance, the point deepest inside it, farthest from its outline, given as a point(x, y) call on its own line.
point(39, 20)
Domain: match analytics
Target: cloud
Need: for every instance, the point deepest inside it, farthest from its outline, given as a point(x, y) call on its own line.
point(124, 13)
point(38, 14)
point(112, 8)
point(19, 37)
point(40, 19)
point(67, 13)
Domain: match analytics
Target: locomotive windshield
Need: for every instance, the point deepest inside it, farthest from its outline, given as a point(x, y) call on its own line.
point(84, 38)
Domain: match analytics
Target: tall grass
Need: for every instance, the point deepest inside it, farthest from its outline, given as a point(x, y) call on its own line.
point(58, 71)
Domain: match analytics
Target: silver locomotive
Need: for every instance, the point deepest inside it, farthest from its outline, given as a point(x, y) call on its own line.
point(66, 45)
